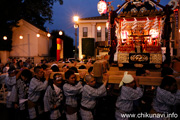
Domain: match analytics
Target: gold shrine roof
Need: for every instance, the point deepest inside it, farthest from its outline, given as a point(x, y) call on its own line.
point(147, 13)
point(140, 8)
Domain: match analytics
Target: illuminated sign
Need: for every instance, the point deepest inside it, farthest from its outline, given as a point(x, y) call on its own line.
point(139, 58)
point(102, 7)
point(154, 33)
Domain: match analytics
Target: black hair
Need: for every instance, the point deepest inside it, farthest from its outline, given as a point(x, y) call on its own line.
point(140, 71)
point(11, 69)
point(74, 69)
point(18, 63)
point(36, 69)
point(167, 81)
point(166, 71)
point(68, 73)
point(54, 76)
point(90, 69)
point(82, 67)
point(44, 66)
point(51, 81)
point(55, 68)
point(65, 66)
point(175, 58)
point(27, 74)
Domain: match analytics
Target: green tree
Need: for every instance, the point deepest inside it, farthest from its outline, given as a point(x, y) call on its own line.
point(67, 44)
point(37, 12)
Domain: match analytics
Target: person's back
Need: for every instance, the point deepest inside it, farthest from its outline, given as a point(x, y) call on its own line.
point(166, 96)
point(129, 92)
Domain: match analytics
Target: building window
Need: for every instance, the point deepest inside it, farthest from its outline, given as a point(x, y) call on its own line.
point(85, 31)
point(98, 34)
point(106, 34)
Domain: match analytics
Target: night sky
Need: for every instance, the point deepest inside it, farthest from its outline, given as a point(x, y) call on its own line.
point(63, 14)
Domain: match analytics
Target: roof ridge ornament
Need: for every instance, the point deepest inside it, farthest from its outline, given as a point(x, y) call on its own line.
point(173, 3)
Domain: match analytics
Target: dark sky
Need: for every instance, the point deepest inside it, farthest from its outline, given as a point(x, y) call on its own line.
point(63, 14)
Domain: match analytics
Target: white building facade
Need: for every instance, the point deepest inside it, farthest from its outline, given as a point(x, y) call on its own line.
point(93, 27)
point(30, 44)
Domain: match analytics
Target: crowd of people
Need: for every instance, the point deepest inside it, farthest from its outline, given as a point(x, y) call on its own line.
point(33, 94)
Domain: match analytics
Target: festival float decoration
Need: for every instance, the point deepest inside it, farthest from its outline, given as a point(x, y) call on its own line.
point(139, 23)
point(147, 25)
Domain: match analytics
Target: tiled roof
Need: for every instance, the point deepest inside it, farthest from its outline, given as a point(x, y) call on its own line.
point(104, 17)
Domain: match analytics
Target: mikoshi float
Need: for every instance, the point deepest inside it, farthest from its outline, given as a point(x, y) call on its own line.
point(136, 32)
point(138, 28)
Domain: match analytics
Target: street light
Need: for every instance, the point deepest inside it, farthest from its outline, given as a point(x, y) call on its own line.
point(48, 35)
point(21, 37)
point(4, 37)
point(38, 35)
point(99, 28)
point(76, 19)
point(59, 43)
point(60, 32)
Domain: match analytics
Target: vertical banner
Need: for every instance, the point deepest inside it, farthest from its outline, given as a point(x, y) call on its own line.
point(109, 30)
point(176, 17)
point(58, 42)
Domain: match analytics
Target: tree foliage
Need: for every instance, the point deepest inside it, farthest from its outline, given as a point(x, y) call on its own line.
point(37, 12)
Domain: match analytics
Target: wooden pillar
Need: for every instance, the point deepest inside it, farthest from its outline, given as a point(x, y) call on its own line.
point(178, 35)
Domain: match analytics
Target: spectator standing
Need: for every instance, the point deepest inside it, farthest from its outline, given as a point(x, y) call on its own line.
point(89, 60)
point(14, 63)
point(20, 64)
point(43, 65)
point(6, 68)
